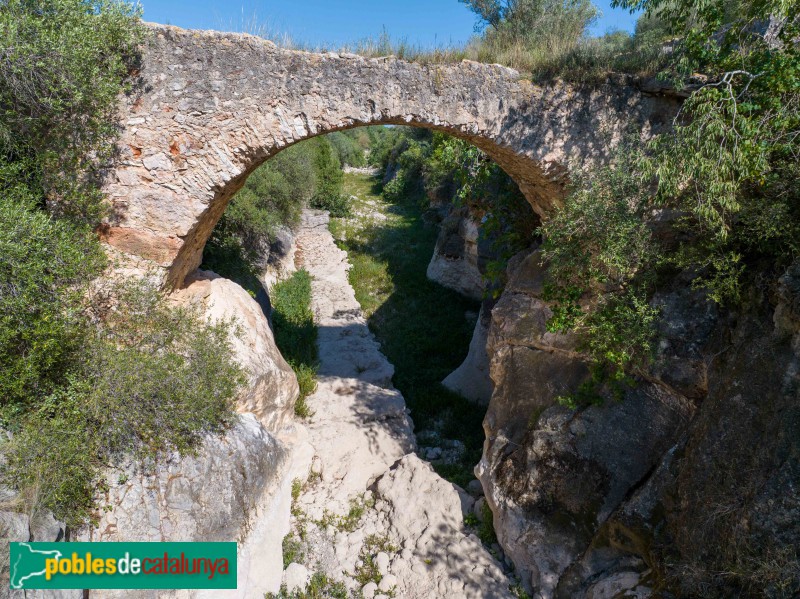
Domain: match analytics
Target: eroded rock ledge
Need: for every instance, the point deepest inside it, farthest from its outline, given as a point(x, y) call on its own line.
point(695, 464)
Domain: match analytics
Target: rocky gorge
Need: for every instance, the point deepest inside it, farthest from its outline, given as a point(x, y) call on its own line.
point(586, 502)
point(694, 467)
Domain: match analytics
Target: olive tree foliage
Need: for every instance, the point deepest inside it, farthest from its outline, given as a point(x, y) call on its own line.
point(62, 67)
point(91, 373)
point(526, 17)
point(532, 32)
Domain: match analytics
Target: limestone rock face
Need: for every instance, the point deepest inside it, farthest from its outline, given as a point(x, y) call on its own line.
point(426, 515)
point(272, 388)
point(236, 489)
point(700, 457)
point(471, 379)
point(20, 528)
point(278, 264)
point(735, 480)
point(454, 263)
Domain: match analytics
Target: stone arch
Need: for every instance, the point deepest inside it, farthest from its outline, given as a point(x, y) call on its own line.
point(212, 107)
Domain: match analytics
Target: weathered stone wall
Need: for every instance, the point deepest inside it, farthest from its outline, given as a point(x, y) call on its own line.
point(210, 107)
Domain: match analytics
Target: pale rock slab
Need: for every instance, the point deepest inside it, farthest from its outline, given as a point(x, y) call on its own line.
point(425, 515)
point(454, 263)
point(236, 489)
point(472, 378)
point(272, 388)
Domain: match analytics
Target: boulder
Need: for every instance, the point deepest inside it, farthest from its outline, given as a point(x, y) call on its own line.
point(278, 264)
point(471, 379)
point(272, 387)
point(454, 263)
point(237, 488)
point(425, 517)
point(296, 578)
point(542, 459)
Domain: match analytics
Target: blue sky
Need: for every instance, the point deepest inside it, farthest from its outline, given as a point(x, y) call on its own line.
point(335, 22)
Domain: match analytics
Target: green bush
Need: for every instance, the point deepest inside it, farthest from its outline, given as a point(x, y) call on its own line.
point(89, 374)
point(45, 266)
point(328, 195)
point(64, 65)
point(296, 332)
point(349, 149)
point(149, 378)
point(727, 170)
point(547, 38)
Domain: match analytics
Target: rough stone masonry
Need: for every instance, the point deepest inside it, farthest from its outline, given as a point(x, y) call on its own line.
point(210, 107)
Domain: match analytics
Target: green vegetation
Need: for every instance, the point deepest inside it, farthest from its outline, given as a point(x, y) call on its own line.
point(368, 571)
point(91, 375)
point(64, 64)
point(307, 173)
point(727, 170)
point(486, 531)
point(320, 587)
point(484, 525)
point(404, 309)
point(349, 521)
point(293, 552)
point(148, 378)
point(548, 38)
point(714, 202)
point(435, 168)
point(296, 333)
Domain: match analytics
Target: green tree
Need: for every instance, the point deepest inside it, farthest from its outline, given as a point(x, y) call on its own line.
point(45, 266)
point(527, 32)
point(89, 372)
point(63, 64)
point(348, 148)
point(328, 195)
point(727, 172)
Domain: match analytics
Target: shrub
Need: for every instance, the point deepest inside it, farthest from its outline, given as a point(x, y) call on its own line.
point(150, 378)
point(64, 65)
point(87, 376)
point(45, 266)
point(349, 150)
point(728, 170)
point(596, 246)
point(296, 332)
point(328, 195)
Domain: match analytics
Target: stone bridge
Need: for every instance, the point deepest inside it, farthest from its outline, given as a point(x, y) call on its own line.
point(211, 107)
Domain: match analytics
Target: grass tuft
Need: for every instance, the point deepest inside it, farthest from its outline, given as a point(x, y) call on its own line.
point(296, 333)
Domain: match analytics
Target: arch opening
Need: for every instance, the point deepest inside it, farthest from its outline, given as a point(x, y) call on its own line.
point(541, 190)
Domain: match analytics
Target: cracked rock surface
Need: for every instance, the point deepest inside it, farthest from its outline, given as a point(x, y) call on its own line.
point(373, 514)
